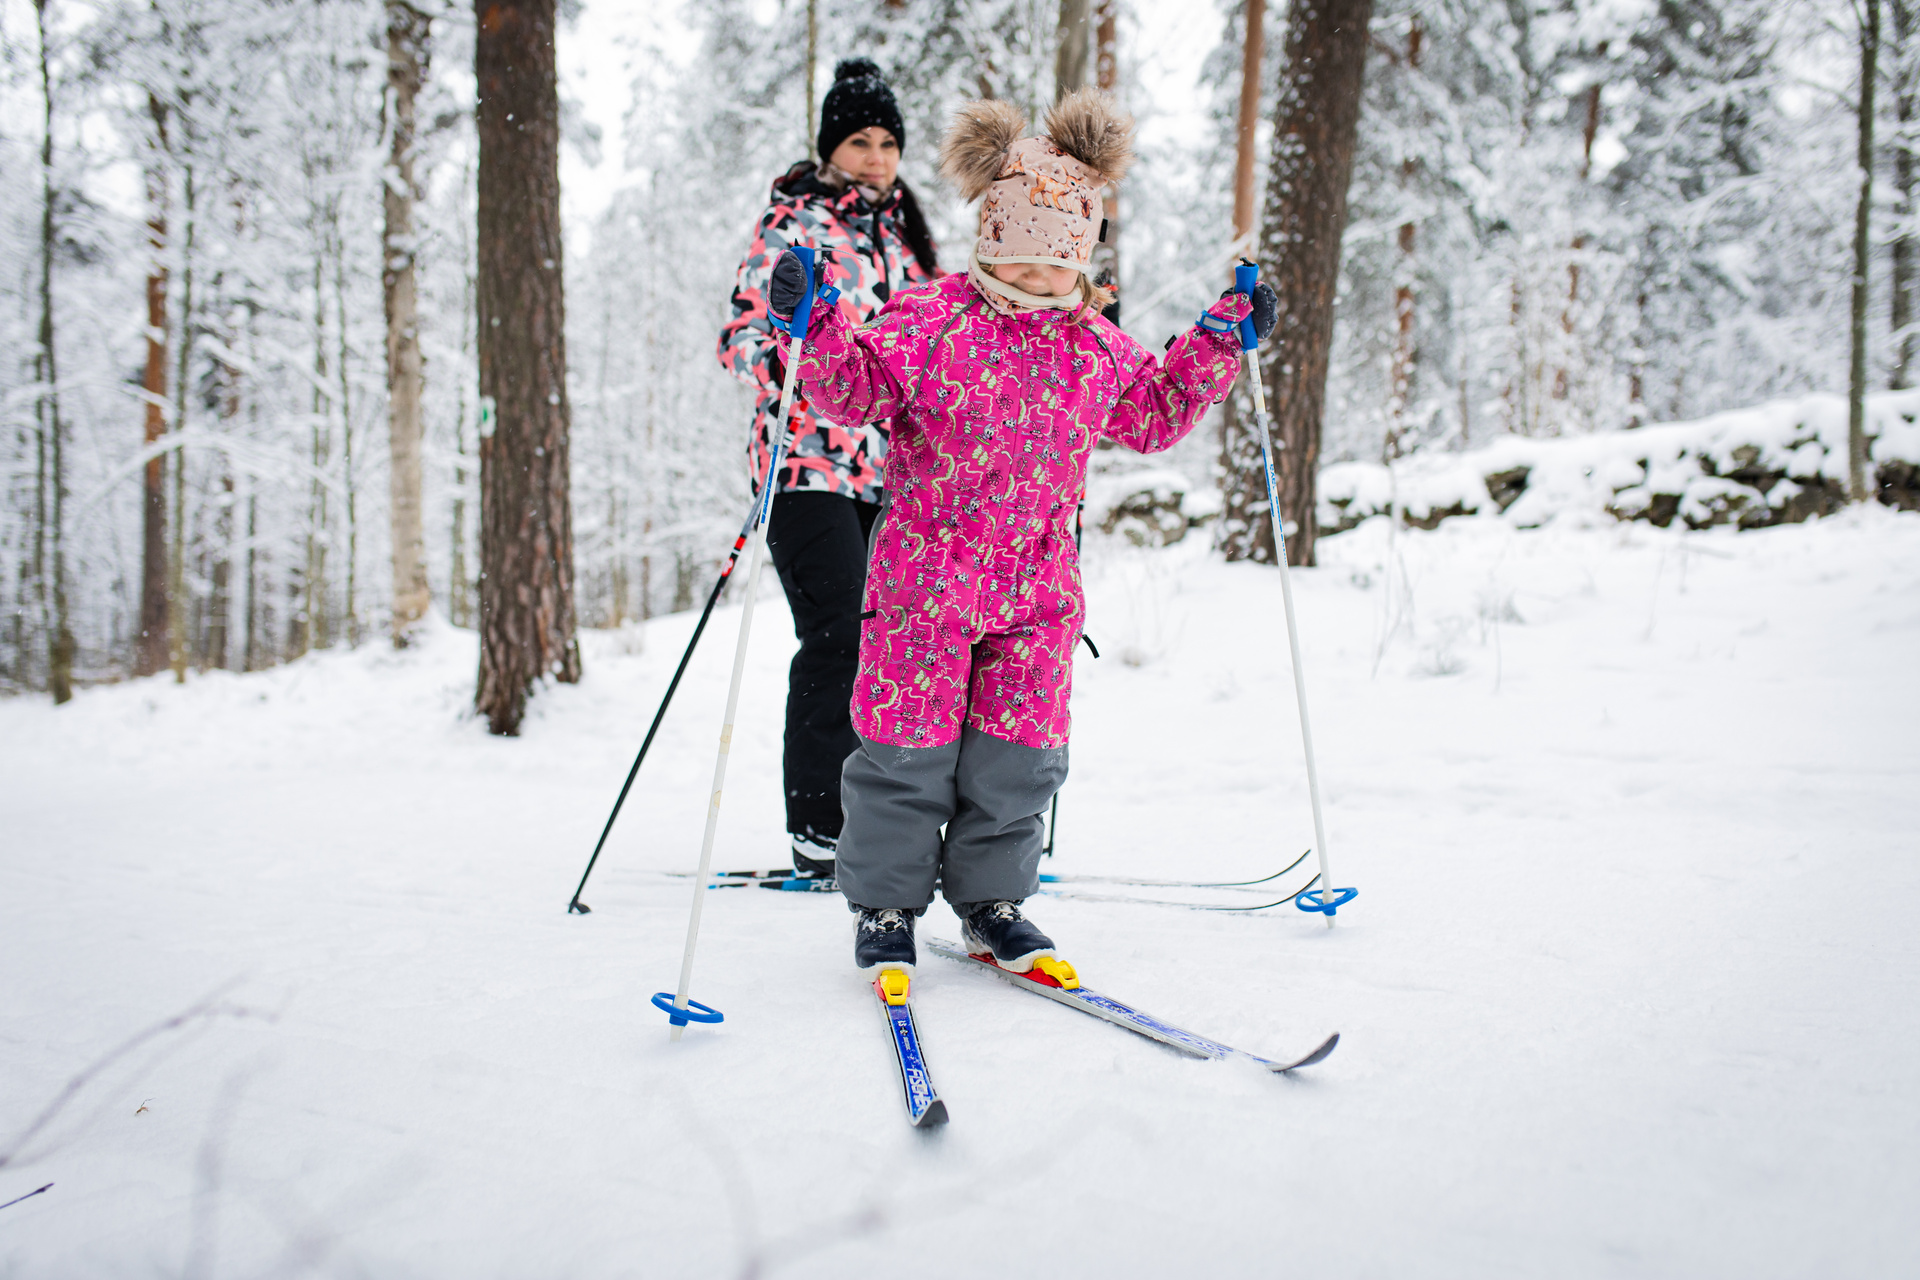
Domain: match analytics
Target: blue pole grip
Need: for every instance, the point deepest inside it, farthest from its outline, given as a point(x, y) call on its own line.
point(801, 313)
point(1245, 276)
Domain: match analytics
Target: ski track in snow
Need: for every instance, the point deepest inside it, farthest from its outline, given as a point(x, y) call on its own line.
point(1630, 988)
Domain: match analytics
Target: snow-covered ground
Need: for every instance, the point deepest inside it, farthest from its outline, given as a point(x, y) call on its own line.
point(1630, 988)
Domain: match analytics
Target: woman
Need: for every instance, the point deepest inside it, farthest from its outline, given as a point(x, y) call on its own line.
point(872, 242)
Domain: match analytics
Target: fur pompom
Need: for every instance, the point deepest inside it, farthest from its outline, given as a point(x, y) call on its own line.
point(855, 69)
point(975, 148)
point(1087, 125)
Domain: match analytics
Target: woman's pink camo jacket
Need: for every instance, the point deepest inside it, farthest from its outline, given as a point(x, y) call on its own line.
point(975, 581)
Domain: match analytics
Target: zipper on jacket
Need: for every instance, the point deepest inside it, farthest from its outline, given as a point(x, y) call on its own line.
point(883, 290)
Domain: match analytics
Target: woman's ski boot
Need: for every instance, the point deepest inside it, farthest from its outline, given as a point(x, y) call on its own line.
point(813, 855)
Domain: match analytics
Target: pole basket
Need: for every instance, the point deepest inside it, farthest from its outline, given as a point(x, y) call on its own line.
point(1311, 900)
point(694, 1012)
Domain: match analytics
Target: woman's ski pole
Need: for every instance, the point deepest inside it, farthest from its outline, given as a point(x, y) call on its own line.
point(1324, 899)
point(726, 570)
point(678, 1008)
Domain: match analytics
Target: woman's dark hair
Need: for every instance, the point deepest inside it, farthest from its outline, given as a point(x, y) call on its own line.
point(919, 238)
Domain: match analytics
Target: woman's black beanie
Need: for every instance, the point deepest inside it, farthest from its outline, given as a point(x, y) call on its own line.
point(858, 100)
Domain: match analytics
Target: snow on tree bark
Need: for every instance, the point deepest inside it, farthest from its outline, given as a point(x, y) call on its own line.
point(526, 520)
point(53, 527)
point(1857, 463)
point(1316, 118)
point(407, 55)
point(1901, 267)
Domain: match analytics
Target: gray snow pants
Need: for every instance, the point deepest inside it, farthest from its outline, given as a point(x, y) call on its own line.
point(989, 793)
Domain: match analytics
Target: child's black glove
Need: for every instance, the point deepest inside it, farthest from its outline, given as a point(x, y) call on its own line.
point(788, 286)
point(1266, 310)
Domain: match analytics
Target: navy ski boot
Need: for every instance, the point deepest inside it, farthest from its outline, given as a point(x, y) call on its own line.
point(883, 939)
point(813, 855)
point(998, 929)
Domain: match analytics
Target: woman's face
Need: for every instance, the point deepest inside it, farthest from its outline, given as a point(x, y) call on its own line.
point(872, 156)
point(1034, 278)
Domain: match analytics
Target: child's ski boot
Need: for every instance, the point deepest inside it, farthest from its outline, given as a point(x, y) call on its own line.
point(883, 939)
point(998, 929)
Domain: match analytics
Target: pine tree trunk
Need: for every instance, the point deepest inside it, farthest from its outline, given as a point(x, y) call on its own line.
point(1902, 265)
point(59, 633)
point(1106, 78)
point(1070, 55)
point(813, 70)
point(1405, 296)
point(150, 647)
point(1857, 462)
point(178, 632)
point(526, 520)
point(349, 499)
point(459, 584)
point(407, 54)
point(312, 631)
point(1316, 118)
point(1253, 52)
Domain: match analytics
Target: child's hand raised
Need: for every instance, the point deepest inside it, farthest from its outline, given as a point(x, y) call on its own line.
point(788, 286)
point(1266, 310)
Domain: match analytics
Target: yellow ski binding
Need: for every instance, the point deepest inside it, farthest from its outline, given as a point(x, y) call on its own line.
point(1059, 970)
point(892, 985)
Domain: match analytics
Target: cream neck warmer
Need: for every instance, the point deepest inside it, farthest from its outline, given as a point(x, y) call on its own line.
point(1009, 301)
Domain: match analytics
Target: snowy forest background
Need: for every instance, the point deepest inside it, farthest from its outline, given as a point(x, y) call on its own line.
point(1593, 213)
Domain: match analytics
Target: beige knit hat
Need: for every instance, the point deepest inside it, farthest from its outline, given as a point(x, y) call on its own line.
point(1042, 194)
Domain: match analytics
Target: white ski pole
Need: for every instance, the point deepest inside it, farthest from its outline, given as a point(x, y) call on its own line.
point(1324, 899)
point(680, 1009)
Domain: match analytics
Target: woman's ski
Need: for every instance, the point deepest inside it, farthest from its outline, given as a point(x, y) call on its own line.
point(784, 878)
point(1064, 986)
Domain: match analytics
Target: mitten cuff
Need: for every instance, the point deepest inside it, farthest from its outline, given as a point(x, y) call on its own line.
point(1224, 315)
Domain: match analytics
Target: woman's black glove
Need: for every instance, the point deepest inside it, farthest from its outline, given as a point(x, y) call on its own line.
point(1266, 310)
point(788, 286)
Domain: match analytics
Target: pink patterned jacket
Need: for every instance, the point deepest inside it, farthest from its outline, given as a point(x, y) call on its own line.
point(864, 253)
point(994, 420)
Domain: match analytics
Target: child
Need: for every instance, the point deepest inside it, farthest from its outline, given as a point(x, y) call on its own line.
point(997, 382)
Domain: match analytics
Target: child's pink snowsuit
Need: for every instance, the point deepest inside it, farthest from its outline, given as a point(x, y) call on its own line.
point(974, 578)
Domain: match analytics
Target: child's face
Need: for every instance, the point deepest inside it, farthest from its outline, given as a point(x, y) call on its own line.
point(1032, 277)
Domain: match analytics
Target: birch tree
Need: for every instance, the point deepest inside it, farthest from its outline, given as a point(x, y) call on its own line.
point(407, 54)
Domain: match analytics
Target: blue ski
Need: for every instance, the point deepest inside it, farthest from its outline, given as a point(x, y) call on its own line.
point(1054, 985)
point(924, 1108)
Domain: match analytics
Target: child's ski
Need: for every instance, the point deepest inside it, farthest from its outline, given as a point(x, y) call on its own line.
point(783, 875)
point(1055, 979)
point(924, 1108)
point(1081, 895)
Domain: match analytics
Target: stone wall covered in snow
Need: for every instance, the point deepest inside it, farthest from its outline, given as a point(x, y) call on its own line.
point(1777, 463)
point(1771, 464)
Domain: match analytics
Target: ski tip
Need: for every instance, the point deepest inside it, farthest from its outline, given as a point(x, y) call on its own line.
point(934, 1116)
point(1318, 1055)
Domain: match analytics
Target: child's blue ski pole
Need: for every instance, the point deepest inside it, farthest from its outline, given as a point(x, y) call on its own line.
point(678, 1008)
point(1324, 899)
